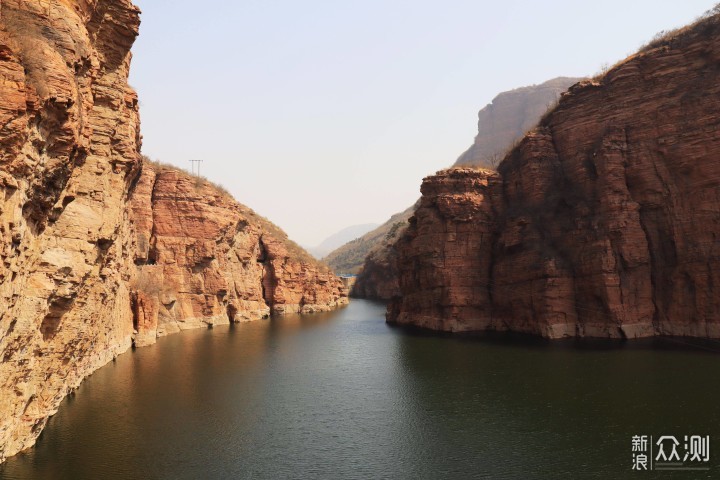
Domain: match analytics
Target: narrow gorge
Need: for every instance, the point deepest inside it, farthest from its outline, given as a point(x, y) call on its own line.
point(501, 124)
point(102, 249)
point(583, 208)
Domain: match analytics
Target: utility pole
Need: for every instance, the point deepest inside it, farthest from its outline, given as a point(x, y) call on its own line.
point(193, 167)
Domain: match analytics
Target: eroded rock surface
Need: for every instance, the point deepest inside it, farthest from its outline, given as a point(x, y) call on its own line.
point(501, 124)
point(202, 258)
point(603, 222)
point(69, 143)
point(98, 250)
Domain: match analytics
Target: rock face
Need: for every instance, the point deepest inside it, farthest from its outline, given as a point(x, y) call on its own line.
point(510, 115)
point(205, 259)
point(85, 270)
point(500, 125)
point(378, 278)
point(447, 242)
point(603, 222)
point(68, 150)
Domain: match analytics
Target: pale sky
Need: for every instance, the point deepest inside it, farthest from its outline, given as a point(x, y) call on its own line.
point(324, 114)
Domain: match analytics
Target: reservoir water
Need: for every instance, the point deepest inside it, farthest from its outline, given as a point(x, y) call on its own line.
point(344, 396)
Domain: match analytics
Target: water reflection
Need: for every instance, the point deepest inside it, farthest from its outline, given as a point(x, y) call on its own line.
point(547, 408)
point(342, 395)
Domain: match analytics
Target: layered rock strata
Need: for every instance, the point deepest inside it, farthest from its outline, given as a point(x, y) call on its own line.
point(98, 251)
point(603, 222)
point(501, 124)
point(69, 143)
point(202, 258)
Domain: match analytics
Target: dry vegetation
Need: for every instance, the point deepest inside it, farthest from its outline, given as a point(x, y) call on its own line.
point(200, 180)
point(148, 283)
point(665, 37)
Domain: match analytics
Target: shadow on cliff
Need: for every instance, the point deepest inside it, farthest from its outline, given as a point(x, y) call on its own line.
point(516, 339)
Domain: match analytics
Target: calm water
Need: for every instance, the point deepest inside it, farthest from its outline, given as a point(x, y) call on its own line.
point(342, 395)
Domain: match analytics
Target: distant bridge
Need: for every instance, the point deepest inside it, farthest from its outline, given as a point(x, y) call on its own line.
point(348, 279)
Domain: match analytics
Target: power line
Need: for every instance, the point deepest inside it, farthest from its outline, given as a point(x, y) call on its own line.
point(195, 165)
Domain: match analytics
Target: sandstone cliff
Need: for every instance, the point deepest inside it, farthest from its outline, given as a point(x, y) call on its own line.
point(508, 117)
point(205, 259)
point(78, 274)
point(603, 221)
point(69, 148)
point(500, 124)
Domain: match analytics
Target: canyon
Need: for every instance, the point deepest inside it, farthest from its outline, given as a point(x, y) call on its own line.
point(602, 222)
point(102, 250)
point(501, 124)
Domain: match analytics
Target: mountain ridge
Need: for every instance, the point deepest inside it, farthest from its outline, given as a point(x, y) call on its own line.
point(500, 124)
point(340, 238)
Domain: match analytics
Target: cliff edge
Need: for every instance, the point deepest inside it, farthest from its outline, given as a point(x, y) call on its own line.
point(602, 222)
point(510, 115)
point(501, 124)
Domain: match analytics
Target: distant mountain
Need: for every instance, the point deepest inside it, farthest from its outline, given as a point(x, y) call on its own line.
point(340, 238)
point(500, 124)
point(349, 258)
point(508, 117)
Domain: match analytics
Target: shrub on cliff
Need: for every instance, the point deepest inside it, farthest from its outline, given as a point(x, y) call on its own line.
point(149, 283)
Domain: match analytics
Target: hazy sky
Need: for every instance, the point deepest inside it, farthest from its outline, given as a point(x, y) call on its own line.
point(325, 114)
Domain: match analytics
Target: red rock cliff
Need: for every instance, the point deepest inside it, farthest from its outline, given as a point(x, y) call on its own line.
point(603, 222)
point(69, 143)
point(98, 251)
point(205, 259)
point(500, 124)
